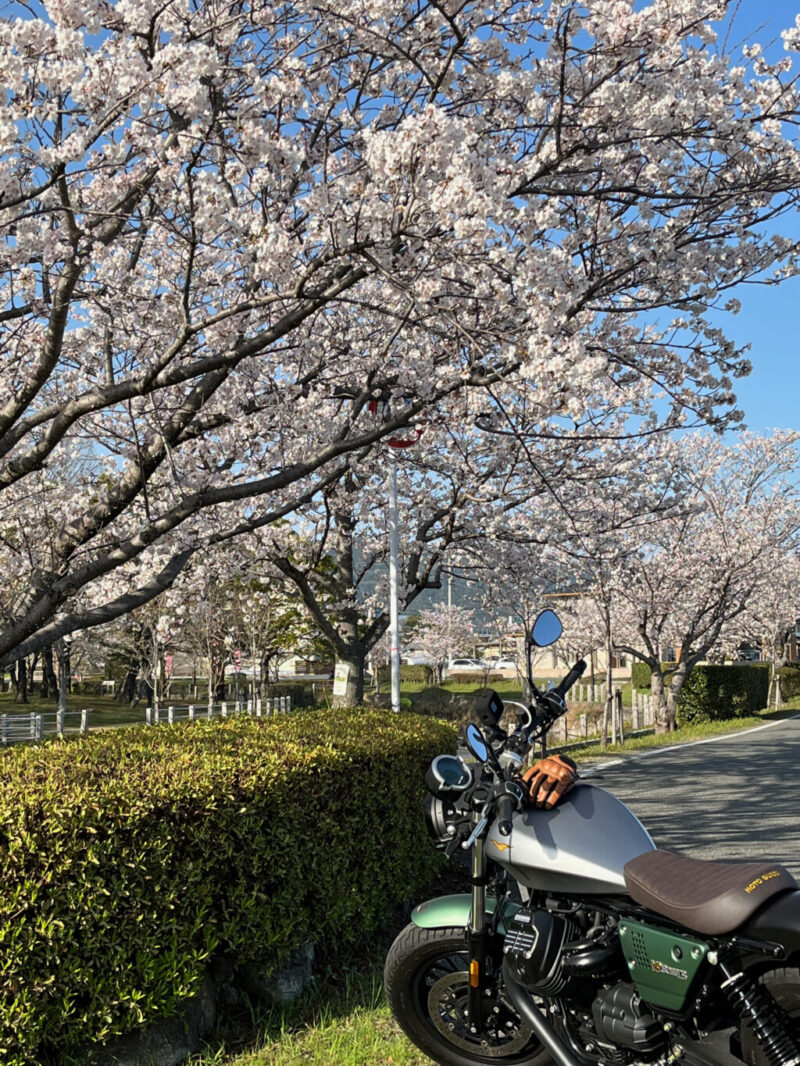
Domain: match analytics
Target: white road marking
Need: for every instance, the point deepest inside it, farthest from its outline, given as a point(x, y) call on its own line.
point(668, 749)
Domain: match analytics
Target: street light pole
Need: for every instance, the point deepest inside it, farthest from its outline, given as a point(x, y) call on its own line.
point(395, 444)
point(394, 614)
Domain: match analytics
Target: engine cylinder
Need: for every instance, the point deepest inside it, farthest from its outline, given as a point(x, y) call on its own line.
point(533, 947)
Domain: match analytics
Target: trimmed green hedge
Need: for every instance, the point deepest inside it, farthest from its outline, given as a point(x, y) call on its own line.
point(714, 692)
point(129, 857)
point(790, 681)
point(416, 674)
point(481, 680)
point(640, 673)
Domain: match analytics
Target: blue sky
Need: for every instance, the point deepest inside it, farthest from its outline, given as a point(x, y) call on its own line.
point(770, 315)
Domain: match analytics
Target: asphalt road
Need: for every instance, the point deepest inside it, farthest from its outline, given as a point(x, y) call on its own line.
point(735, 797)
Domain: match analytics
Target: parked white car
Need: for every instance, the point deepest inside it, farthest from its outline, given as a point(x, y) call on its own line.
point(465, 666)
point(504, 664)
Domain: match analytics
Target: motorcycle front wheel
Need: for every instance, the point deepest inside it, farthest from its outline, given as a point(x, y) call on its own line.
point(426, 979)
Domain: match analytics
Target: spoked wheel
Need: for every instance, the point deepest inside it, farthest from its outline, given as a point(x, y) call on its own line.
point(427, 981)
point(783, 986)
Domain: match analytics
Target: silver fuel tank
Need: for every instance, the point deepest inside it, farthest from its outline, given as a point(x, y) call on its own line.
point(579, 847)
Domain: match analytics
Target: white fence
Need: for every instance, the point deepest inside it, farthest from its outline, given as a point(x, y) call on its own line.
point(257, 708)
point(641, 709)
point(579, 727)
point(18, 728)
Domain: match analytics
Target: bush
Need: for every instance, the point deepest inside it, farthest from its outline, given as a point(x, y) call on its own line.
point(130, 857)
point(416, 675)
point(640, 674)
point(475, 679)
point(714, 692)
point(87, 687)
point(790, 681)
point(302, 695)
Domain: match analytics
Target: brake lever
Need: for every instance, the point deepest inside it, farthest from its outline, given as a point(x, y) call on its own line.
point(478, 831)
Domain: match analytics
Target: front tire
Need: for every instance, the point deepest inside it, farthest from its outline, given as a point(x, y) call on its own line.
point(426, 978)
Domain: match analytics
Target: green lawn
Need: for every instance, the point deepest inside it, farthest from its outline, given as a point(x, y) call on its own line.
point(343, 1022)
point(105, 711)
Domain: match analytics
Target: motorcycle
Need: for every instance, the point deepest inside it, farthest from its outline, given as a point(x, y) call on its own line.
point(580, 942)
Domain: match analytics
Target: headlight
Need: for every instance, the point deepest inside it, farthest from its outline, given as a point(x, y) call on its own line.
point(439, 815)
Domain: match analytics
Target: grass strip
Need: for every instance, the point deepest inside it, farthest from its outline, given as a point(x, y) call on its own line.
point(346, 1023)
point(593, 751)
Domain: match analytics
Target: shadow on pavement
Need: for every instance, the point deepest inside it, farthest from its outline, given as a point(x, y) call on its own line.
point(734, 799)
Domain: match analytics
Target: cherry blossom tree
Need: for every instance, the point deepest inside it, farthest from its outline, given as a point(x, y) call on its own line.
point(442, 633)
point(227, 232)
point(269, 623)
point(336, 557)
point(700, 571)
point(769, 620)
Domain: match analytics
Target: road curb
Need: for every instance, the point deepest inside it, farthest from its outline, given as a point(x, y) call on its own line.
point(668, 749)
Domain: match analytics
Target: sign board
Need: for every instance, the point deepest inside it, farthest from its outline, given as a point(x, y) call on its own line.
point(340, 677)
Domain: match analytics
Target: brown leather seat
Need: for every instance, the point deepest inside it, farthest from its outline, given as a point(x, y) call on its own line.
point(709, 897)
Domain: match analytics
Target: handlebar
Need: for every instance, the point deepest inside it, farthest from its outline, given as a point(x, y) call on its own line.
point(550, 705)
point(510, 800)
point(577, 671)
point(505, 810)
point(497, 792)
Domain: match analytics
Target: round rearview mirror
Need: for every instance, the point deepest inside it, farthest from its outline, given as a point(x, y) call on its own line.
point(476, 742)
point(546, 629)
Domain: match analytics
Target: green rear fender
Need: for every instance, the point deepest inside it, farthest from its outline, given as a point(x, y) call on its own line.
point(448, 911)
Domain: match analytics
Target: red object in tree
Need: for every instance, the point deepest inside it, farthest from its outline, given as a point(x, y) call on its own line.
point(397, 442)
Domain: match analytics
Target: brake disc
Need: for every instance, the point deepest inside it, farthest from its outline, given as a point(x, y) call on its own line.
point(502, 1034)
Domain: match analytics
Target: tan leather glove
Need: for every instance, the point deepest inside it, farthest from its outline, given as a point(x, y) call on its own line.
point(548, 780)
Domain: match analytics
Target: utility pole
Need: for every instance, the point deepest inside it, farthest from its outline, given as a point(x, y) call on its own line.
point(394, 614)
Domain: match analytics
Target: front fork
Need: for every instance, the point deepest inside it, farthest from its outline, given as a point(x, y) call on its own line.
point(476, 937)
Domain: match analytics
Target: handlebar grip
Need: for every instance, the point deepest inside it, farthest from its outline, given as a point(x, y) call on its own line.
point(508, 801)
point(505, 809)
point(575, 673)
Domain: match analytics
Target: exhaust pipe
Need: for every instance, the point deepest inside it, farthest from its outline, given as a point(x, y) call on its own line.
point(537, 1021)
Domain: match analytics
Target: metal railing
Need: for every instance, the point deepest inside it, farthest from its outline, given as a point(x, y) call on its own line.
point(21, 728)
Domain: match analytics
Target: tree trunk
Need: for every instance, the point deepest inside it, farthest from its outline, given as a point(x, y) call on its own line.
point(609, 706)
point(665, 700)
point(64, 664)
point(778, 690)
point(779, 659)
point(20, 679)
point(127, 690)
point(592, 680)
point(661, 715)
point(49, 681)
point(263, 677)
point(354, 694)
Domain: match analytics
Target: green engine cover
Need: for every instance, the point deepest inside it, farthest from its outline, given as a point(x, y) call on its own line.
point(662, 965)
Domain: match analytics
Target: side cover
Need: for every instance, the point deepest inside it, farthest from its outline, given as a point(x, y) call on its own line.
point(579, 847)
